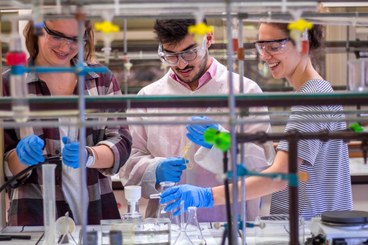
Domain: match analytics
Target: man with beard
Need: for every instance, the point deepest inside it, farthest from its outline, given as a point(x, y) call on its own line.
point(162, 152)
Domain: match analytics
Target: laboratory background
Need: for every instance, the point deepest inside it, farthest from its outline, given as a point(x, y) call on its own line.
point(125, 43)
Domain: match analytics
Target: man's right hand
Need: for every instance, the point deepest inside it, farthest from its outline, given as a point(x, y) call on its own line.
point(170, 169)
point(30, 150)
point(196, 131)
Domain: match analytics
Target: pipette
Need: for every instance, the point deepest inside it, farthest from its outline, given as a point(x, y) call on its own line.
point(185, 154)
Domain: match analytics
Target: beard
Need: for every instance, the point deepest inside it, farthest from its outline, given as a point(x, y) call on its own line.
point(199, 74)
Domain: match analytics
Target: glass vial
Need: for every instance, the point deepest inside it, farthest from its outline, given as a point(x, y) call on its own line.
point(116, 237)
point(92, 237)
point(161, 213)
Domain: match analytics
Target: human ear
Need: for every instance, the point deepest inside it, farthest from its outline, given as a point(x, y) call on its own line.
point(209, 40)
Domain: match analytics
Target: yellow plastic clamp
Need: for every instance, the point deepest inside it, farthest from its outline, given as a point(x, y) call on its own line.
point(106, 27)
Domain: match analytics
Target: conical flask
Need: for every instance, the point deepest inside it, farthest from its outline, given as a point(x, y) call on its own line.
point(182, 238)
point(192, 227)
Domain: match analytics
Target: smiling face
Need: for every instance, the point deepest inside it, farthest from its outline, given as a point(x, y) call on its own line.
point(58, 44)
point(281, 57)
point(189, 71)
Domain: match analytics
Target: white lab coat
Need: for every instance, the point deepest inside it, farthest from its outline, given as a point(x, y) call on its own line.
point(153, 143)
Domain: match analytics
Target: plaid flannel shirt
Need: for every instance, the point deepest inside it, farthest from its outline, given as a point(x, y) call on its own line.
point(26, 199)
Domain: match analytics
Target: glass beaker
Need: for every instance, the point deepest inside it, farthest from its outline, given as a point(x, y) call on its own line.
point(192, 227)
point(358, 75)
point(161, 213)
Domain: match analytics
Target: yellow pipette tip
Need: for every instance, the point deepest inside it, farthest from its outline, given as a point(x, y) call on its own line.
point(185, 155)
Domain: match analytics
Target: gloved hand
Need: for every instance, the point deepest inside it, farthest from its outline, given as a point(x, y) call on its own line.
point(70, 153)
point(196, 131)
point(192, 196)
point(29, 150)
point(170, 169)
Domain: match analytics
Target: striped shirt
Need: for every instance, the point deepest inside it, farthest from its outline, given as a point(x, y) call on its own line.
point(326, 162)
point(26, 199)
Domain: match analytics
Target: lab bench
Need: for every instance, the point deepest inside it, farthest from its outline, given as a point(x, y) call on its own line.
point(212, 235)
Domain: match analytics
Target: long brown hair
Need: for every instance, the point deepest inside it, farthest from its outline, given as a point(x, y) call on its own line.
point(33, 49)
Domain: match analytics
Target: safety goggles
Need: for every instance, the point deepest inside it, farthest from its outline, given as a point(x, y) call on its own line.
point(172, 59)
point(56, 39)
point(272, 47)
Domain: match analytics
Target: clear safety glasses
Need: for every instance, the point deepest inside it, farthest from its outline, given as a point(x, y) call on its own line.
point(272, 47)
point(56, 39)
point(172, 59)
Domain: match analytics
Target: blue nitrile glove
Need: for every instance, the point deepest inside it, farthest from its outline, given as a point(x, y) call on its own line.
point(170, 169)
point(193, 196)
point(30, 149)
point(196, 131)
point(70, 153)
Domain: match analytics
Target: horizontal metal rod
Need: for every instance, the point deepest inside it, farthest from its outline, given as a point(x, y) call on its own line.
point(359, 114)
point(169, 101)
point(322, 135)
point(123, 121)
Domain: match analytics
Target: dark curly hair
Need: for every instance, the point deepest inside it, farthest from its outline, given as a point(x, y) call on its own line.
point(172, 30)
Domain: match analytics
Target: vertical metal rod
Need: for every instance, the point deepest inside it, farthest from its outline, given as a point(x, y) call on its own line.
point(125, 35)
point(2, 179)
point(293, 191)
point(82, 127)
point(347, 56)
point(243, 207)
point(126, 55)
point(232, 125)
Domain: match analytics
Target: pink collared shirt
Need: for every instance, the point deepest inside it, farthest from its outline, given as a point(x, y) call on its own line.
point(210, 73)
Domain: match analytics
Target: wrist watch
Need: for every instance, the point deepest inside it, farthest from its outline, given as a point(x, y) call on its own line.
point(90, 157)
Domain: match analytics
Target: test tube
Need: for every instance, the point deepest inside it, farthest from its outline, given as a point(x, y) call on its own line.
point(235, 34)
point(107, 46)
point(19, 91)
point(305, 42)
point(16, 59)
point(48, 192)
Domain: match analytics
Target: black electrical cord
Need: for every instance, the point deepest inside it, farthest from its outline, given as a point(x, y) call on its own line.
point(224, 235)
point(15, 177)
point(227, 198)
